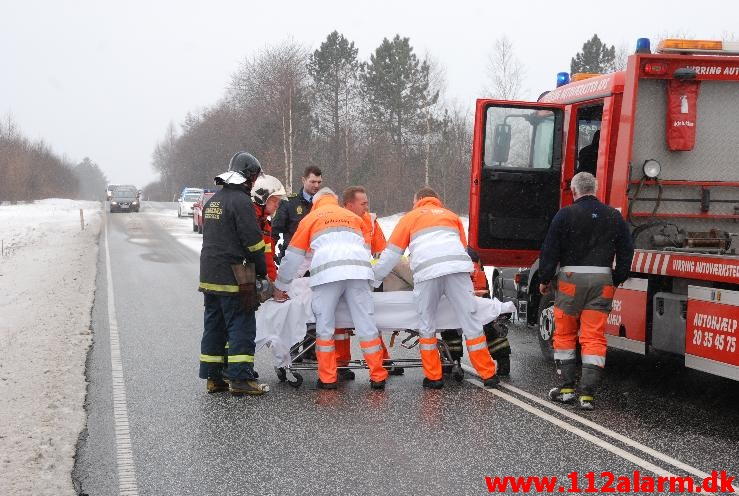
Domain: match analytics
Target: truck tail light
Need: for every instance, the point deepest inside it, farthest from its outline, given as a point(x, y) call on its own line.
point(517, 278)
point(655, 68)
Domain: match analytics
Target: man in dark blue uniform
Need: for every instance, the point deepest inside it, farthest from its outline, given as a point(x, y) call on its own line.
point(583, 240)
point(285, 221)
point(231, 260)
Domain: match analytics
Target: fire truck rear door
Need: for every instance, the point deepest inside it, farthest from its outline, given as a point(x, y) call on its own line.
point(516, 179)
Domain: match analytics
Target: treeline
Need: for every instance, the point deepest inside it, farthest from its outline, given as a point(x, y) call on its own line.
point(382, 123)
point(30, 170)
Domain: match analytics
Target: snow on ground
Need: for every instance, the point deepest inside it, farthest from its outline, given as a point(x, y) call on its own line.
point(47, 283)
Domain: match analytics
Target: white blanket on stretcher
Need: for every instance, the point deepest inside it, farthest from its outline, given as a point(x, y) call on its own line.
point(281, 325)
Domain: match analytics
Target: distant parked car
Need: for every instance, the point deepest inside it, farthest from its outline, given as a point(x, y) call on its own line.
point(124, 200)
point(197, 211)
point(185, 205)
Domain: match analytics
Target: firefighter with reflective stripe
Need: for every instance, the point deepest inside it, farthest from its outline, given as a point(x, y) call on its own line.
point(441, 266)
point(231, 236)
point(266, 194)
point(496, 332)
point(355, 200)
point(340, 269)
point(583, 240)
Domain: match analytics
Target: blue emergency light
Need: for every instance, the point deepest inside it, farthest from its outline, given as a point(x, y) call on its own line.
point(643, 45)
point(562, 78)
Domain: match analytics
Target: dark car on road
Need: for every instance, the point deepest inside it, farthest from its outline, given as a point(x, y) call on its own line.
point(124, 200)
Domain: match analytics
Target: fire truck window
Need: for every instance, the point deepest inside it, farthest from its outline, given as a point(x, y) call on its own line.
point(519, 137)
point(588, 137)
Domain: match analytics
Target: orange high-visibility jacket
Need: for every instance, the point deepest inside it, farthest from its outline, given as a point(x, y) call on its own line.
point(377, 237)
point(338, 240)
point(436, 240)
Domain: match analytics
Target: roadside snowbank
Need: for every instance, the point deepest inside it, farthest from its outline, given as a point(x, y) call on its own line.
point(47, 283)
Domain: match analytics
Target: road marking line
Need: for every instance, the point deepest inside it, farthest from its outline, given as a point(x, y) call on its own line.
point(124, 452)
point(578, 432)
point(608, 432)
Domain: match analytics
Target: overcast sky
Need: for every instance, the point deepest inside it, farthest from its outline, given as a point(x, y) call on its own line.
point(103, 79)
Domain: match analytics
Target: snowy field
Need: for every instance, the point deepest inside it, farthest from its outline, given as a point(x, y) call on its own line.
point(47, 283)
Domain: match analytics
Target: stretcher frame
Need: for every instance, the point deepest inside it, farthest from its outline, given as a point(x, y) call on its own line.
point(291, 374)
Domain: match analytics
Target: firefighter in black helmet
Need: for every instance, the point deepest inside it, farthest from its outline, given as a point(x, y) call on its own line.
point(231, 262)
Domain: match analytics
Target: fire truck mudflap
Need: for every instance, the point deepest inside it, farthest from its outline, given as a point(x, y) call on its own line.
point(712, 331)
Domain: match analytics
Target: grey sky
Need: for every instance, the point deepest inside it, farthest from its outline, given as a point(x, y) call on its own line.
point(103, 79)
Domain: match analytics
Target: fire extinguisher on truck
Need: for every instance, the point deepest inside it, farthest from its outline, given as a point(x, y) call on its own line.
point(660, 137)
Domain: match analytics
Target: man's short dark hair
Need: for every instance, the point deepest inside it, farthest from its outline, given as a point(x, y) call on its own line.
point(426, 192)
point(311, 169)
point(351, 192)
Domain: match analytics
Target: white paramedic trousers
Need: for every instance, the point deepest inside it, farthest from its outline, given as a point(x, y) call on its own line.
point(459, 291)
point(358, 297)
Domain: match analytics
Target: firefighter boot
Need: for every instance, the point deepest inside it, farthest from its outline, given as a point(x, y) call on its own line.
point(477, 350)
point(241, 387)
point(565, 393)
point(589, 381)
point(496, 335)
point(216, 385)
point(431, 362)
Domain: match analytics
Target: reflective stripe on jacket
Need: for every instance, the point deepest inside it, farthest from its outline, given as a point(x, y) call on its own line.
point(436, 240)
point(338, 240)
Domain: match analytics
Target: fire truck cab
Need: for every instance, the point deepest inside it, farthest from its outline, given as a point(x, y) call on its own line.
point(662, 139)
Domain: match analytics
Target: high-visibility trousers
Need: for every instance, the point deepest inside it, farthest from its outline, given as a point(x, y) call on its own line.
point(358, 297)
point(459, 291)
point(582, 303)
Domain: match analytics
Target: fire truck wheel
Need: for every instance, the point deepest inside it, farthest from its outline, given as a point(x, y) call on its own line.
point(545, 325)
point(498, 287)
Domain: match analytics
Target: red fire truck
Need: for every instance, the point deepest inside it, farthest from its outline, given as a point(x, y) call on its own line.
point(662, 138)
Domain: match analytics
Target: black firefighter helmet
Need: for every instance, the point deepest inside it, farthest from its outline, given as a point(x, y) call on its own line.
point(246, 164)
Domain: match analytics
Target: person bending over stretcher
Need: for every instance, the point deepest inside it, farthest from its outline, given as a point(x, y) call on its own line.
point(340, 268)
point(441, 266)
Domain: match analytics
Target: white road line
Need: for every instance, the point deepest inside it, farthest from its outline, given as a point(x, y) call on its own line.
point(124, 452)
point(646, 465)
point(589, 423)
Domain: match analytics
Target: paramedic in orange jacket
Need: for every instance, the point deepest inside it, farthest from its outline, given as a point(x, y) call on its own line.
point(441, 266)
point(355, 200)
point(340, 268)
point(266, 195)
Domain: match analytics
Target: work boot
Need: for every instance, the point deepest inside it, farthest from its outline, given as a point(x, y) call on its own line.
point(345, 374)
point(428, 383)
point(377, 384)
point(325, 385)
point(216, 385)
point(491, 382)
point(586, 402)
point(562, 394)
point(393, 370)
point(241, 387)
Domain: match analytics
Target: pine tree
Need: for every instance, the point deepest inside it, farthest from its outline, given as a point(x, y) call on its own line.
point(334, 71)
point(395, 84)
point(595, 57)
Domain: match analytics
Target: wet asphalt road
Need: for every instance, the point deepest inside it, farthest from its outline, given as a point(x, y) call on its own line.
point(354, 441)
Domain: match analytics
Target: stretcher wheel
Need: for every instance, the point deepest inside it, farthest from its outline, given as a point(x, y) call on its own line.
point(298, 380)
point(281, 373)
point(458, 373)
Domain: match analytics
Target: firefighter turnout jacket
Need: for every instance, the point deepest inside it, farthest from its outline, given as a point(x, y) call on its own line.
point(339, 241)
point(436, 240)
point(587, 233)
point(231, 234)
point(285, 221)
point(269, 243)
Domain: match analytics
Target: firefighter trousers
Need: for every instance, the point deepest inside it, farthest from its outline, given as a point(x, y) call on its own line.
point(225, 321)
point(459, 291)
point(582, 303)
point(357, 293)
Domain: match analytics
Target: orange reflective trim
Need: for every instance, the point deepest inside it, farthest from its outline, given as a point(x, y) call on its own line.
point(566, 287)
point(477, 340)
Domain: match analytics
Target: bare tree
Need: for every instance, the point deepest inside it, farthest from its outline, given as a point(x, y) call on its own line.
point(505, 72)
point(621, 58)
